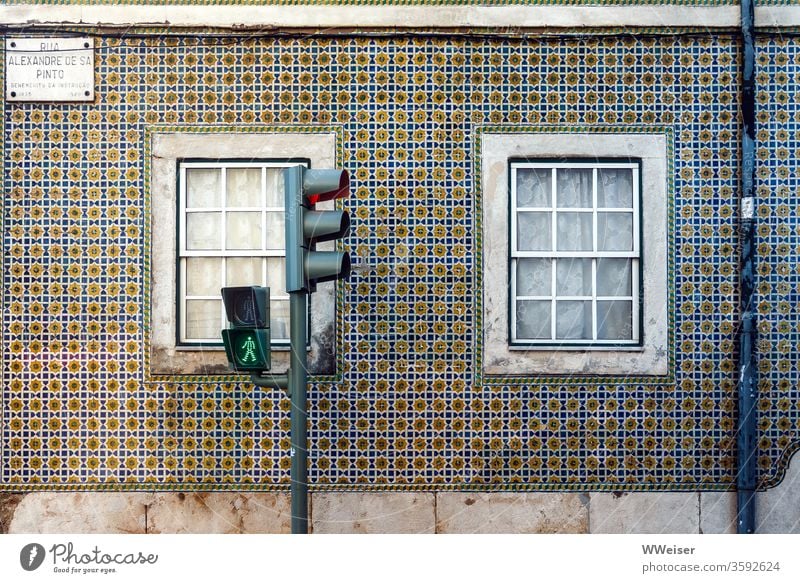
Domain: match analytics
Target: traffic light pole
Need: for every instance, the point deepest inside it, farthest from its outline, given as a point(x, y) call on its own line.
point(298, 377)
point(305, 267)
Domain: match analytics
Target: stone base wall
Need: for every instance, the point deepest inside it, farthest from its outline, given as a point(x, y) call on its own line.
point(777, 511)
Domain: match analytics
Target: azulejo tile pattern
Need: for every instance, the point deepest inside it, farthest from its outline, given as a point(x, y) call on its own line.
point(778, 229)
point(409, 407)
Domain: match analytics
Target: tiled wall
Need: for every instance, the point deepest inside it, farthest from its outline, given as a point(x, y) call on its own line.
point(410, 406)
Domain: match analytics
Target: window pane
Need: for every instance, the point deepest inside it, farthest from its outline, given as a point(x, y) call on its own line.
point(615, 231)
point(574, 187)
point(276, 275)
point(533, 319)
point(203, 231)
point(275, 187)
point(534, 186)
point(203, 187)
point(573, 277)
point(243, 231)
point(574, 231)
point(279, 319)
point(614, 320)
point(574, 319)
point(533, 277)
point(613, 277)
point(534, 232)
point(243, 271)
point(203, 319)
point(615, 187)
point(243, 187)
point(276, 237)
point(203, 276)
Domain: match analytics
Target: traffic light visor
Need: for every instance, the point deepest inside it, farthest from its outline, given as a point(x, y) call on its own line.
point(327, 265)
point(247, 306)
point(322, 185)
point(325, 225)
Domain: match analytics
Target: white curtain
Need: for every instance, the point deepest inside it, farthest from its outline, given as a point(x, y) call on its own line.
point(533, 277)
point(533, 187)
point(614, 320)
point(574, 187)
point(615, 231)
point(613, 276)
point(533, 319)
point(574, 233)
point(202, 187)
point(574, 190)
point(614, 188)
point(574, 275)
point(614, 317)
point(244, 187)
point(534, 231)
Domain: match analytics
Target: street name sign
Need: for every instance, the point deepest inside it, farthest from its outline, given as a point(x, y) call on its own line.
point(50, 69)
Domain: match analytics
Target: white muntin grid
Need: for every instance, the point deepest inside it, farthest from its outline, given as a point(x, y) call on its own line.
point(268, 246)
point(554, 255)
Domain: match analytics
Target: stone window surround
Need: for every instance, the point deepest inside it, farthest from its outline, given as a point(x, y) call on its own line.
point(166, 149)
point(499, 358)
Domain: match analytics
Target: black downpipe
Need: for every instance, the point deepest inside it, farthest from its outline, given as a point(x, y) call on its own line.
point(746, 434)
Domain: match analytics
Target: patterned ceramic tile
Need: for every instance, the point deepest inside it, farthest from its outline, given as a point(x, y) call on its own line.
point(409, 407)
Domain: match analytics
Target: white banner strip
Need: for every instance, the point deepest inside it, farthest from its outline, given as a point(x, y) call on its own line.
point(400, 558)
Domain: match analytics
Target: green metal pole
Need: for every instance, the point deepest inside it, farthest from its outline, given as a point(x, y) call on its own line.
point(298, 377)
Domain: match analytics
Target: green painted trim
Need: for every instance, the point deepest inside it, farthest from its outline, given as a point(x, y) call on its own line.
point(149, 131)
point(492, 380)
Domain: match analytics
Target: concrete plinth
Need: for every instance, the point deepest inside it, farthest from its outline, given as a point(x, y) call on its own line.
point(373, 512)
point(778, 509)
point(81, 512)
point(508, 512)
point(645, 512)
point(219, 513)
point(717, 512)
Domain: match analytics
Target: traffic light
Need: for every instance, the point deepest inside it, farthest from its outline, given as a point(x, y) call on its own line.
point(305, 226)
point(247, 340)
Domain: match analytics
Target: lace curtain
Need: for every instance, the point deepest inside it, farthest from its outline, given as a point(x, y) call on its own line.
point(246, 228)
point(574, 276)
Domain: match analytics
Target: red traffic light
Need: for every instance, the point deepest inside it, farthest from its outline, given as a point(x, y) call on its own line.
point(322, 185)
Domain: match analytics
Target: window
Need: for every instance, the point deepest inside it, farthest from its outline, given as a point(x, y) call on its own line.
point(231, 232)
point(197, 243)
point(575, 253)
point(574, 250)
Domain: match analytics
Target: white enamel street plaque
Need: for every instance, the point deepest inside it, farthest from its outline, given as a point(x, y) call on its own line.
point(50, 69)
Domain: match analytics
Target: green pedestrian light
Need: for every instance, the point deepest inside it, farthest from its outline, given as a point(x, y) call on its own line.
point(247, 340)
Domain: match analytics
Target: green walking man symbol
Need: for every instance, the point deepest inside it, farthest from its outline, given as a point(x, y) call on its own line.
point(247, 350)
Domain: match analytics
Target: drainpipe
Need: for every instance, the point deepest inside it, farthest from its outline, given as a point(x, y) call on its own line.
point(746, 433)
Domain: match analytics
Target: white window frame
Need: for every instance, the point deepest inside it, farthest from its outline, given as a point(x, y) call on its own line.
point(168, 145)
point(264, 252)
point(498, 356)
point(594, 255)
